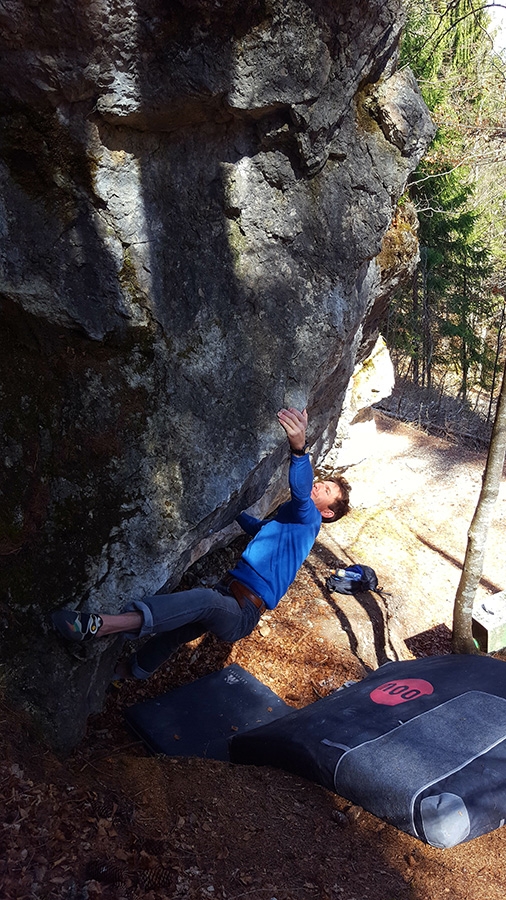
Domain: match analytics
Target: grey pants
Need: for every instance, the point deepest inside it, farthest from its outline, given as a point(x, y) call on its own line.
point(175, 619)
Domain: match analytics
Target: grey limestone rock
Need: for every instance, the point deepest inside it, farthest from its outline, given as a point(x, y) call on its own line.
point(195, 196)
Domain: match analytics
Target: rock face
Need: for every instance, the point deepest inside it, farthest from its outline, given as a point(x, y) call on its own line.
point(195, 195)
point(371, 381)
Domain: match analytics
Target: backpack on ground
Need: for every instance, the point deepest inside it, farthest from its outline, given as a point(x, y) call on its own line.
point(354, 579)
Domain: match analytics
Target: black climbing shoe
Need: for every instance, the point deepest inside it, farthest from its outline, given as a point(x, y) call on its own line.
point(76, 626)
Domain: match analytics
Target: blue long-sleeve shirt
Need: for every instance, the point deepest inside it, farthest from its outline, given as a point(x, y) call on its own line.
point(272, 559)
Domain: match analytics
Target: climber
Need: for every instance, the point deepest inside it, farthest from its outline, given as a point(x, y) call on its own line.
point(232, 608)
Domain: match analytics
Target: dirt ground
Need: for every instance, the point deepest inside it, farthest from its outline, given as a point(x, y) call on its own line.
point(114, 822)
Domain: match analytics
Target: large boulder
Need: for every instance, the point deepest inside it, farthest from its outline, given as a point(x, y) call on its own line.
point(194, 197)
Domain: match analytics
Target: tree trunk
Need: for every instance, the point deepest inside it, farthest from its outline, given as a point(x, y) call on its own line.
point(477, 535)
point(415, 329)
point(464, 362)
point(496, 362)
point(427, 342)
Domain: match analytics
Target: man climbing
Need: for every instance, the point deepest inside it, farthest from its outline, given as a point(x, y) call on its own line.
point(260, 579)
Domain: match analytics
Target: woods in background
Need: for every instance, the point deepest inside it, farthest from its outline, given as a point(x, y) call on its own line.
point(446, 329)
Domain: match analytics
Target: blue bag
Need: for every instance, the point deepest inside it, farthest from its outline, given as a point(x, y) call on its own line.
point(353, 580)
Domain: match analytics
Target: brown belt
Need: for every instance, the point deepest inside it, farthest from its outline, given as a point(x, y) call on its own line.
point(242, 593)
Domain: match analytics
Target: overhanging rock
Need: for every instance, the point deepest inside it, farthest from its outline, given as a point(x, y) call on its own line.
point(194, 199)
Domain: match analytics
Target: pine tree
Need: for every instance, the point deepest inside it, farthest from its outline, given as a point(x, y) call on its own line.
point(447, 320)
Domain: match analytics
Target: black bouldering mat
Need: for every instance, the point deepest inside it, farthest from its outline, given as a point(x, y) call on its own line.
point(198, 719)
point(420, 743)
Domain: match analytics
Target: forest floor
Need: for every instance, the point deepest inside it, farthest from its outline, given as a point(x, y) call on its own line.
point(112, 821)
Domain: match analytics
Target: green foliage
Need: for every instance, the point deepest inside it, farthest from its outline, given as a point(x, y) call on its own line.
point(447, 320)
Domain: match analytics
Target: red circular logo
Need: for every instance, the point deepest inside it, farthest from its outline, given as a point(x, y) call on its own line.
point(400, 691)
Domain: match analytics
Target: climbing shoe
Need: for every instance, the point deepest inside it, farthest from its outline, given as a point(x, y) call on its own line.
point(76, 626)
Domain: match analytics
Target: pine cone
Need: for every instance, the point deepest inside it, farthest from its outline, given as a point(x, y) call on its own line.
point(104, 871)
point(157, 877)
point(103, 805)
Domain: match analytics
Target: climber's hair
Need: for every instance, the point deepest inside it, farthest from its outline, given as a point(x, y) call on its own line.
point(340, 506)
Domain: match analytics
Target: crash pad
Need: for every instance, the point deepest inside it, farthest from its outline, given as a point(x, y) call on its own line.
point(419, 743)
point(198, 719)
